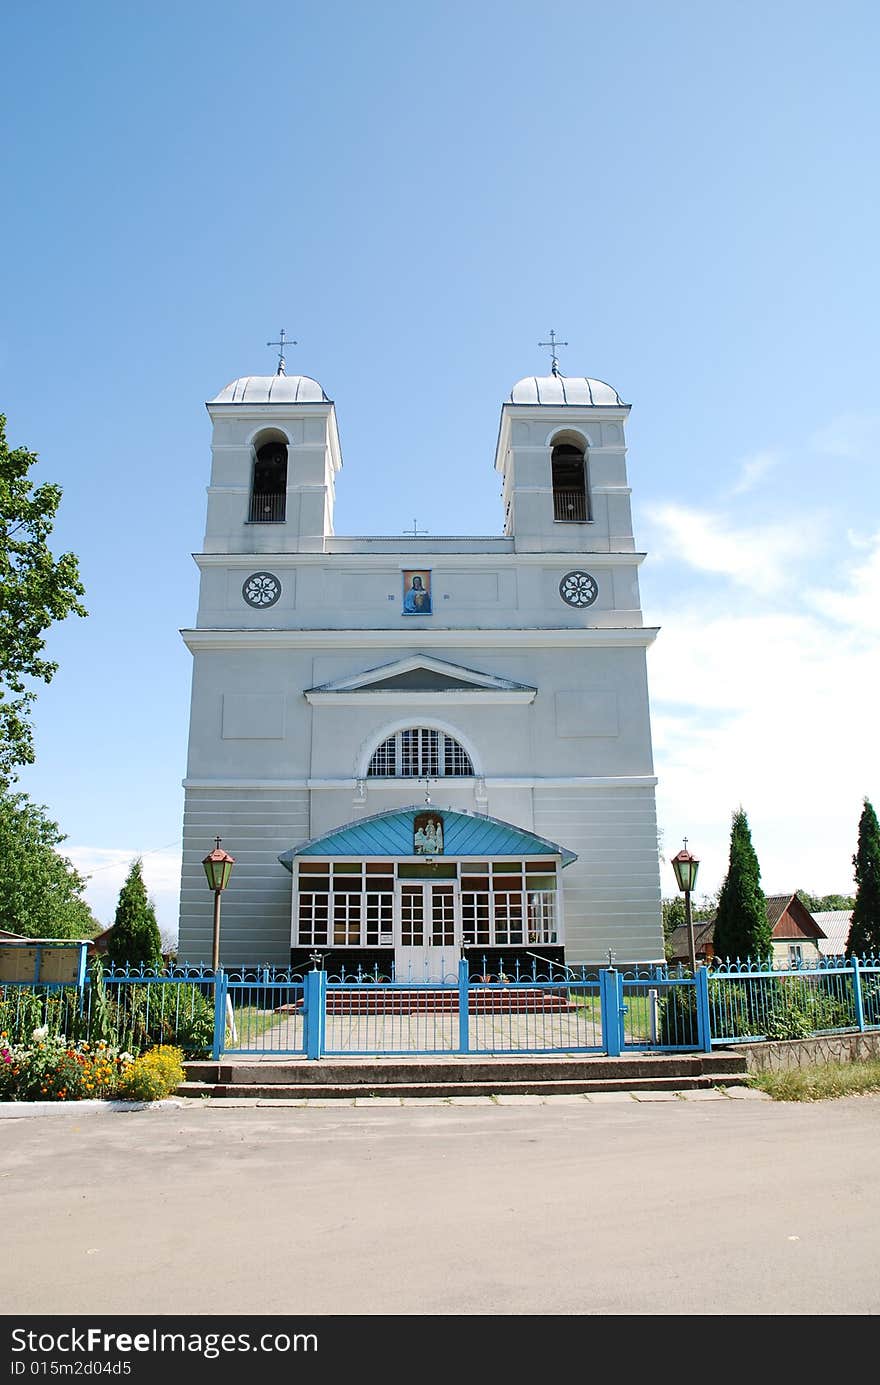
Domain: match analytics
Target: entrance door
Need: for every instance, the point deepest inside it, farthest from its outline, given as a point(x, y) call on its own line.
point(430, 932)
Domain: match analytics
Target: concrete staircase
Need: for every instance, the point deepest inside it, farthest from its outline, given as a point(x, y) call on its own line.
point(362, 1000)
point(345, 1078)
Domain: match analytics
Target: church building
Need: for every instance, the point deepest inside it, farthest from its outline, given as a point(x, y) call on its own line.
point(420, 748)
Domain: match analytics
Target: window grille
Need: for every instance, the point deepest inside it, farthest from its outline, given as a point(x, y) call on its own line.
point(383, 761)
point(414, 753)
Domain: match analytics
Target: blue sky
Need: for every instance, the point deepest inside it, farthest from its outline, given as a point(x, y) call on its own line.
point(686, 192)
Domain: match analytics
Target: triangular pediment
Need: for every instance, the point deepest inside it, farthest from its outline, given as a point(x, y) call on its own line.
point(421, 677)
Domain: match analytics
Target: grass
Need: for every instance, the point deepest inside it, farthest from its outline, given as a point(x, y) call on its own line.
point(821, 1083)
point(251, 1022)
point(637, 1023)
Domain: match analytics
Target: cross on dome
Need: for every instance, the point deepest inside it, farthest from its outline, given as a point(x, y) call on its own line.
point(281, 344)
point(553, 344)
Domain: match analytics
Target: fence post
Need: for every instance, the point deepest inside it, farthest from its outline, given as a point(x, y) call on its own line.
point(704, 1014)
point(464, 984)
point(610, 1004)
point(857, 994)
point(219, 1013)
point(315, 990)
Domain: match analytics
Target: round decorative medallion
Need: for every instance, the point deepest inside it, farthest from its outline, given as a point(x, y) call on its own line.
point(578, 589)
point(262, 589)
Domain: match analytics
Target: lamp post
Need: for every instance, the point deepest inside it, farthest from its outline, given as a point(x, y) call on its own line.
point(685, 866)
point(218, 868)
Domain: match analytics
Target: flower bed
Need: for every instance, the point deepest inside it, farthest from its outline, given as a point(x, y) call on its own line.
point(49, 1068)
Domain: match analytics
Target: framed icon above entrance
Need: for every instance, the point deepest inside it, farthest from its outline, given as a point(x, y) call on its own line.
point(427, 834)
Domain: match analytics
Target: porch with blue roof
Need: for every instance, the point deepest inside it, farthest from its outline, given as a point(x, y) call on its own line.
point(390, 834)
point(377, 893)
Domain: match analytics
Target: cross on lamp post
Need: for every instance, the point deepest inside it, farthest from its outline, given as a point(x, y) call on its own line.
point(685, 866)
point(218, 868)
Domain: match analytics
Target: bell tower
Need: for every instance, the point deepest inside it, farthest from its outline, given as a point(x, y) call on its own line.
point(562, 458)
point(275, 457)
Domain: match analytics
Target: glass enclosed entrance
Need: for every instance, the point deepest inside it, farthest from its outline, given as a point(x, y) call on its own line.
point(425, 914)
point(429, 945)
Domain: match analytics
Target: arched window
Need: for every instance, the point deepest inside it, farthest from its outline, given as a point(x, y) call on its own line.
point(269, 484)
point(419, 751)
point(571, 497)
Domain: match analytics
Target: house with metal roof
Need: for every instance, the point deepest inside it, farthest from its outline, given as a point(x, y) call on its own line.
point(835, 925)
point(419, 747)
point(797, 935)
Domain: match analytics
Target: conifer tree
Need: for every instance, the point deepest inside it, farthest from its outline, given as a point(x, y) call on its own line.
point(135, 938)
point(864, 929)
point(741, 925)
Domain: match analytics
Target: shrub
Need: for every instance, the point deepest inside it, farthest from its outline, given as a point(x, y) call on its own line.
point(801, 1008)
point(730, 1005)
point(48, 1068)
point(729, 1008)
point(677, 1016)
point(788, 1021)
point(871, 1000)
point(154, 1075)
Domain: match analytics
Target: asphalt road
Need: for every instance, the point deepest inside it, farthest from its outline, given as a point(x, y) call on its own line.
point(574, 1207)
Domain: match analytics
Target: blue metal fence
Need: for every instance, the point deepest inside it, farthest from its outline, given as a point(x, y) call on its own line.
point(260, 1010)
point(273, 1011)
point(750, 1001)
point(132, 1007)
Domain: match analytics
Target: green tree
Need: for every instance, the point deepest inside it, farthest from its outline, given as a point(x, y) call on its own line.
point(673, 917)
point(741, 925)
point(825, 903)
point(36, 589)
point(135, 940)
point(40, 891)
point(864, 928)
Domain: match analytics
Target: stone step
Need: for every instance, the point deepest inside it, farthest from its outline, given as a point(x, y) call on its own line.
point(384, 1001)
point(627, 1070)
point(348, 1091)
point(398, 1076)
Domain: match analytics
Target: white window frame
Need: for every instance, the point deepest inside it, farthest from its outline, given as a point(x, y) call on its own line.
point(429, 760)
point(542, 909)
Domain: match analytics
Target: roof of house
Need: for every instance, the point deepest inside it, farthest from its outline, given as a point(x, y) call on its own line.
point(788, 917)
point(702, 934)
point(835, 925)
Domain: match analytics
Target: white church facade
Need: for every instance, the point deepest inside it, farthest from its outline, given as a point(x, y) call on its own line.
point(419, 748)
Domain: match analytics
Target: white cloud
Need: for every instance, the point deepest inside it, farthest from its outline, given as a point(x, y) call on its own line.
point(775, 711)
point(858, 605)
point(760, 557)
point(753, 469)
point(107, 868)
